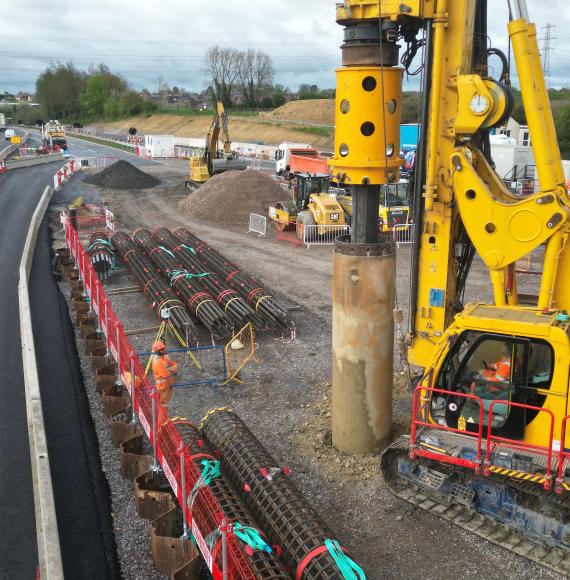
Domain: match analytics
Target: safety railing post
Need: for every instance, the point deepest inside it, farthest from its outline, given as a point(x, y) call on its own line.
point(118, 339)
point(98, 298)
point(181, 449)
point(107, 327)
point(133, 391)
point(90, 290)
point(224, 531)
point(155, 465)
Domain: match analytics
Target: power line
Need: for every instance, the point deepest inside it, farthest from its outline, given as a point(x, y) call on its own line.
point(546, 48)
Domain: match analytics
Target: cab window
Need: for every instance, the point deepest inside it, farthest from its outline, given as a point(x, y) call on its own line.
point(493, 368)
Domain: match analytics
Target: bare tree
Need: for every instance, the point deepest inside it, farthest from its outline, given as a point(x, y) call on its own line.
point(222, 68)
point(255, 73)
point(250, 70)
point(162, 90)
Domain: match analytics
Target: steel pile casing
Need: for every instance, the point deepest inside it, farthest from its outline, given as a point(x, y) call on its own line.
point(156, 290)
point(257, 297)
point(263, 564)
point(363, 345)
point(229, 299)
point(273, 498)
point(195, 295)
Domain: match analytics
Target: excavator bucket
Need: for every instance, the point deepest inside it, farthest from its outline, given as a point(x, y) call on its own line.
point(221, 165)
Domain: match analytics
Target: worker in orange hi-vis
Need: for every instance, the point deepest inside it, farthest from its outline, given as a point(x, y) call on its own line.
point(163, 369)
point(495, 376)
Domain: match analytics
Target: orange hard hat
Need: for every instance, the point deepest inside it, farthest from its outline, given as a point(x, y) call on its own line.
point(158, 345)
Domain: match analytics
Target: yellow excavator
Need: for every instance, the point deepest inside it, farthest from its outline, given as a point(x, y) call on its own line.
point(215, 161)
point(489, 444)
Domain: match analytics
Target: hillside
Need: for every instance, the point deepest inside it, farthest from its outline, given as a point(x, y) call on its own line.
point(298, 121)
point(315, 111)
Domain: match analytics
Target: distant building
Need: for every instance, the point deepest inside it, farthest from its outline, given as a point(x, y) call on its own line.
point(514, 130)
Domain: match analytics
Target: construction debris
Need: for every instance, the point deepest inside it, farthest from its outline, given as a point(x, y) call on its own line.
point(228, 199)
point(122, 175)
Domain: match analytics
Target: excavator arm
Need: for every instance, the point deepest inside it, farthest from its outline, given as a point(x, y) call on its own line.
point(214, 162)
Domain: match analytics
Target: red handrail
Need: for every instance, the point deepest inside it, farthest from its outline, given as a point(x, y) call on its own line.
point(562, 454)
point(426, 423)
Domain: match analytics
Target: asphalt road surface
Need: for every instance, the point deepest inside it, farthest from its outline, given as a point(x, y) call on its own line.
point(80, 489)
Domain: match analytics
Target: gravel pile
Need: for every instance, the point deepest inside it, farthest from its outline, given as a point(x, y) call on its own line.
point(122, 175)
point(227, 199)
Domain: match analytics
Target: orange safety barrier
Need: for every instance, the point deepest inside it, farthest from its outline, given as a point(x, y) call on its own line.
point(168, 448)
point(239, 351)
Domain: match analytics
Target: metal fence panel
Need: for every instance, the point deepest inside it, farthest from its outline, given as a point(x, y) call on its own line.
point(403, 235)
point(323, 235)
point(257, 224)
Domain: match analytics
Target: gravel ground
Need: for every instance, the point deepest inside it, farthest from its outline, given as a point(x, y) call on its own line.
point(285, 400)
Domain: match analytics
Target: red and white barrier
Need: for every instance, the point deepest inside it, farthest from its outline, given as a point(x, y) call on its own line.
point(65, 174)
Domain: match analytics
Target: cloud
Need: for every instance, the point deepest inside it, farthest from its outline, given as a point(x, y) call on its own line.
point(143, 39)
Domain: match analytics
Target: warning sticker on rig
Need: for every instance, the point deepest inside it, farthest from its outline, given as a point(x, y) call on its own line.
point(202, 545)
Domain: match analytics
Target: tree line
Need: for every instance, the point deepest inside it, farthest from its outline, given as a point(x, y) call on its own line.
point(66, 92)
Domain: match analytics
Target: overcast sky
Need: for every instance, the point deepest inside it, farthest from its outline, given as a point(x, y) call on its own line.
point(143, 39)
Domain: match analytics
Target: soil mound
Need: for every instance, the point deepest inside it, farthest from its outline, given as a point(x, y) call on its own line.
point(312, 111)
point(228, 198)
point(122, 175)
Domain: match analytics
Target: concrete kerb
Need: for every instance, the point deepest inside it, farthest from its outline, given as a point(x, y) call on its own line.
point(18, 163)
point(11, 148)
point(49, 552)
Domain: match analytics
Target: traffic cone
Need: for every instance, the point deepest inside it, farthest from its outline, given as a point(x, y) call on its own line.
point(3, 168)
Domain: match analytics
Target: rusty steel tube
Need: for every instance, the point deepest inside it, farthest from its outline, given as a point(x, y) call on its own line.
point(363, 345)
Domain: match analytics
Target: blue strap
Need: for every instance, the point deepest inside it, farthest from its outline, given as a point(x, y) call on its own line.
point(252, 538)
point(348, 568)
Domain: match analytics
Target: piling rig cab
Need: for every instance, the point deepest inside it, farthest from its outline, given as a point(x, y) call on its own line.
point(311, 205)
point(213, 160)
point(488, 447)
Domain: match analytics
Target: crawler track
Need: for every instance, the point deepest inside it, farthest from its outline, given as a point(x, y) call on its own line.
point(535, 549)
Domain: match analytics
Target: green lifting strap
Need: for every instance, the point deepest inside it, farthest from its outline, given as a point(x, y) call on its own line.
point(191, 250)
point(175, 274)
point(251, 537)
point(167, 251)
point(348, 568)
point(99, 241)
point(211, 471)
